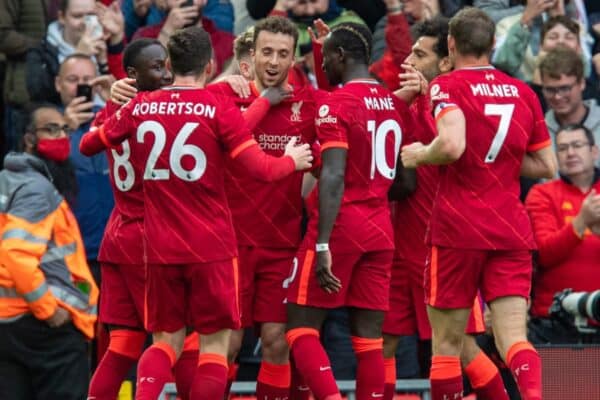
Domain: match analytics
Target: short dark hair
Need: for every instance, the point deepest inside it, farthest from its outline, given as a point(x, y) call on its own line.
point(33, 109)
point(243, 43)
point(190, 51)
point(276, 25)
point(63, 5)
point(133, 50)
point(474, 31)
point(76, 56)
point(355, 39)
point(561, 61)
point(575, 127)
point(563, 20)
point(436, 27)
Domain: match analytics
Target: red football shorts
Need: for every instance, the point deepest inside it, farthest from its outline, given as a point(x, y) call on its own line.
point(408, 312)
point(365, 280)
point(263, 272)
point(453, 276)
point(203, 296)
point(122, 295)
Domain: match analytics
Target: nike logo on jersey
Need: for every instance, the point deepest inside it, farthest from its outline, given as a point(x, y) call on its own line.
point(376, 395)
point(324, 368)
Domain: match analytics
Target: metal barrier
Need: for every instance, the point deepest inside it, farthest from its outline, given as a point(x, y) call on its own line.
point(347, 387)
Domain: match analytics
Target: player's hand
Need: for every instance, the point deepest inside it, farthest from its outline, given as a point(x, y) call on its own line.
point(102, 84)
point(322, 31)
point(276, 95)
point(412, 154)
point(78, 112)
point(238, 84)
point(123, 90)
point(328, 282)
point(59, 318)
point(412, 83)
point(301, 154)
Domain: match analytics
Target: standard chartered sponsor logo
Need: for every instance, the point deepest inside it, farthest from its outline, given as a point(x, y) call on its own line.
point(275, 142)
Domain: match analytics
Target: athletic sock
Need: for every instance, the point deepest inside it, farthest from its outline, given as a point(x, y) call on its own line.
point(299, 390)
point(273, 382)
point(154, 370)
point(526, 366)
point(124, 348)
point(211, 377)
point(485, 378)
point(389, 390)
point(232, 370)
point(312, 363)
point(446, 378)
point(185, 367)
point(370, 371)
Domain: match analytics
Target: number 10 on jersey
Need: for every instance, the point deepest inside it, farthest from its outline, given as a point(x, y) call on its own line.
point(379, 136)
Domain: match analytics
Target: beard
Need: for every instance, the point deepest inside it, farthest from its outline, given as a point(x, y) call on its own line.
point(63, 179)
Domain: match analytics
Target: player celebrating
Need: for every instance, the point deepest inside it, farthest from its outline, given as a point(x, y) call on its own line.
point(267, 216)
point(490, 130)
point(190, 244)
point(408, 315)
point(360, 128)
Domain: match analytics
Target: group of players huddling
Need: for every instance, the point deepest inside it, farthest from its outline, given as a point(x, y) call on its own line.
point(210, 185)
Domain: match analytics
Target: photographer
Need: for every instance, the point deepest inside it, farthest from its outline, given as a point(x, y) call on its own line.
point(565, 214)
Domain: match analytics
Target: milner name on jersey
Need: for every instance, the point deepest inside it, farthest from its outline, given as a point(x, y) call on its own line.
point(494, 90)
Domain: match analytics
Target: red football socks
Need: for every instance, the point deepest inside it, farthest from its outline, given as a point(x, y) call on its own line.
point(446, 378)
point(312, 363)
point(154, 370)
point(370, 372)
point(485, 378)
point(526, 366)
point(231, 375)
point(389, 364)
point(211, 377)
point(273, 381)
point(185, 367)
point(124, 349)
point(299, 390)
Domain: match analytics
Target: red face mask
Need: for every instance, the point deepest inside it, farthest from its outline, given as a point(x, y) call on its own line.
point(54, 149)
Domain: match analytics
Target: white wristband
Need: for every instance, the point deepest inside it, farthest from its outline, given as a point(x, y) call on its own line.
point(322, 247)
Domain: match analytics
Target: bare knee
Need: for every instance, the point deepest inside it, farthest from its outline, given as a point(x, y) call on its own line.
point(173, 339)
point(509, 322)
point(470, 349)
point(235, 344)
point(366, 323)
point(275, 348)
point(390, 345)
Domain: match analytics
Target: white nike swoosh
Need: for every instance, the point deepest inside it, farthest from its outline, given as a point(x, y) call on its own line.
point(324, 368)
point(376, 395)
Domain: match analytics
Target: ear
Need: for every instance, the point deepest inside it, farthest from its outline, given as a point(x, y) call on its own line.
point(29, 141)
point(57, 82)
point(445, 65)
point(341, 53)
point(209, 68)
point(131, 73)
point(595, 153)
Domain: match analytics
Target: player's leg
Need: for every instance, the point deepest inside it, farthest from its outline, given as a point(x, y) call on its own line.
point(122, 314)
point(235, 344)
point(185, 367)
point(211, 374)
point(274, 376)
point(166, 319)
point(506, 286)
point(482, 372)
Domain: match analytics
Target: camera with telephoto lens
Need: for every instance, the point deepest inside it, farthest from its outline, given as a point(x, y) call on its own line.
point(577, 308)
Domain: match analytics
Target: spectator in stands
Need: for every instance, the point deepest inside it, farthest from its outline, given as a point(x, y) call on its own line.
point(499, 9)
point(47, 295)
point(180, 15)
point(523, 37)
point(563, 85)
point(22, 26)
point(94, 201)
point(562, 212)
point(140, 13)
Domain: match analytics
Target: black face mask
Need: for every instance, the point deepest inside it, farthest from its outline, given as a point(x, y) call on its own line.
point(307, 20)
point(63, 178)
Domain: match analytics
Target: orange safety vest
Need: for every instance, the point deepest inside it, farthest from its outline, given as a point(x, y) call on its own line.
point(42, 258)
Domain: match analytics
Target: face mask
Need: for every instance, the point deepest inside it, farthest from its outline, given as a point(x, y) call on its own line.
point(54, 149)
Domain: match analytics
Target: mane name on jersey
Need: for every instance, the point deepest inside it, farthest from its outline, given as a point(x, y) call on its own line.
point(494, 90)
point(174, 108)
point(379, 103)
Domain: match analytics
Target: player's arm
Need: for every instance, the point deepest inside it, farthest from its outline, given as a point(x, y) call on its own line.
point(539, 164)
point(91, 143)
point(404, 184)
point(447, 147)
point(259, 108)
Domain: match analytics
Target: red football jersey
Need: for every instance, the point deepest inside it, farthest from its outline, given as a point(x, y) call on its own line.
point(412, 214)
point(371, 123)
point(122, 242)
point(183, 134)
point(269, 214)
point(477, 205)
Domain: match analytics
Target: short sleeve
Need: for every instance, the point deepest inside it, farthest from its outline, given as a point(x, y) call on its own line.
point(540, 137)
point(330, 123)
point(232, 130)
point(442, 96)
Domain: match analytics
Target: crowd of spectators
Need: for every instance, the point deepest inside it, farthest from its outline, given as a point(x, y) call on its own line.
point(50, 47)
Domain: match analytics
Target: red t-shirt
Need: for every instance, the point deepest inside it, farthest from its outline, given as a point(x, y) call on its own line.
point(122, 241)
point(477, 206)
point(372, 124)
point(184, 134)
point(269, 214)
point(412, 214)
